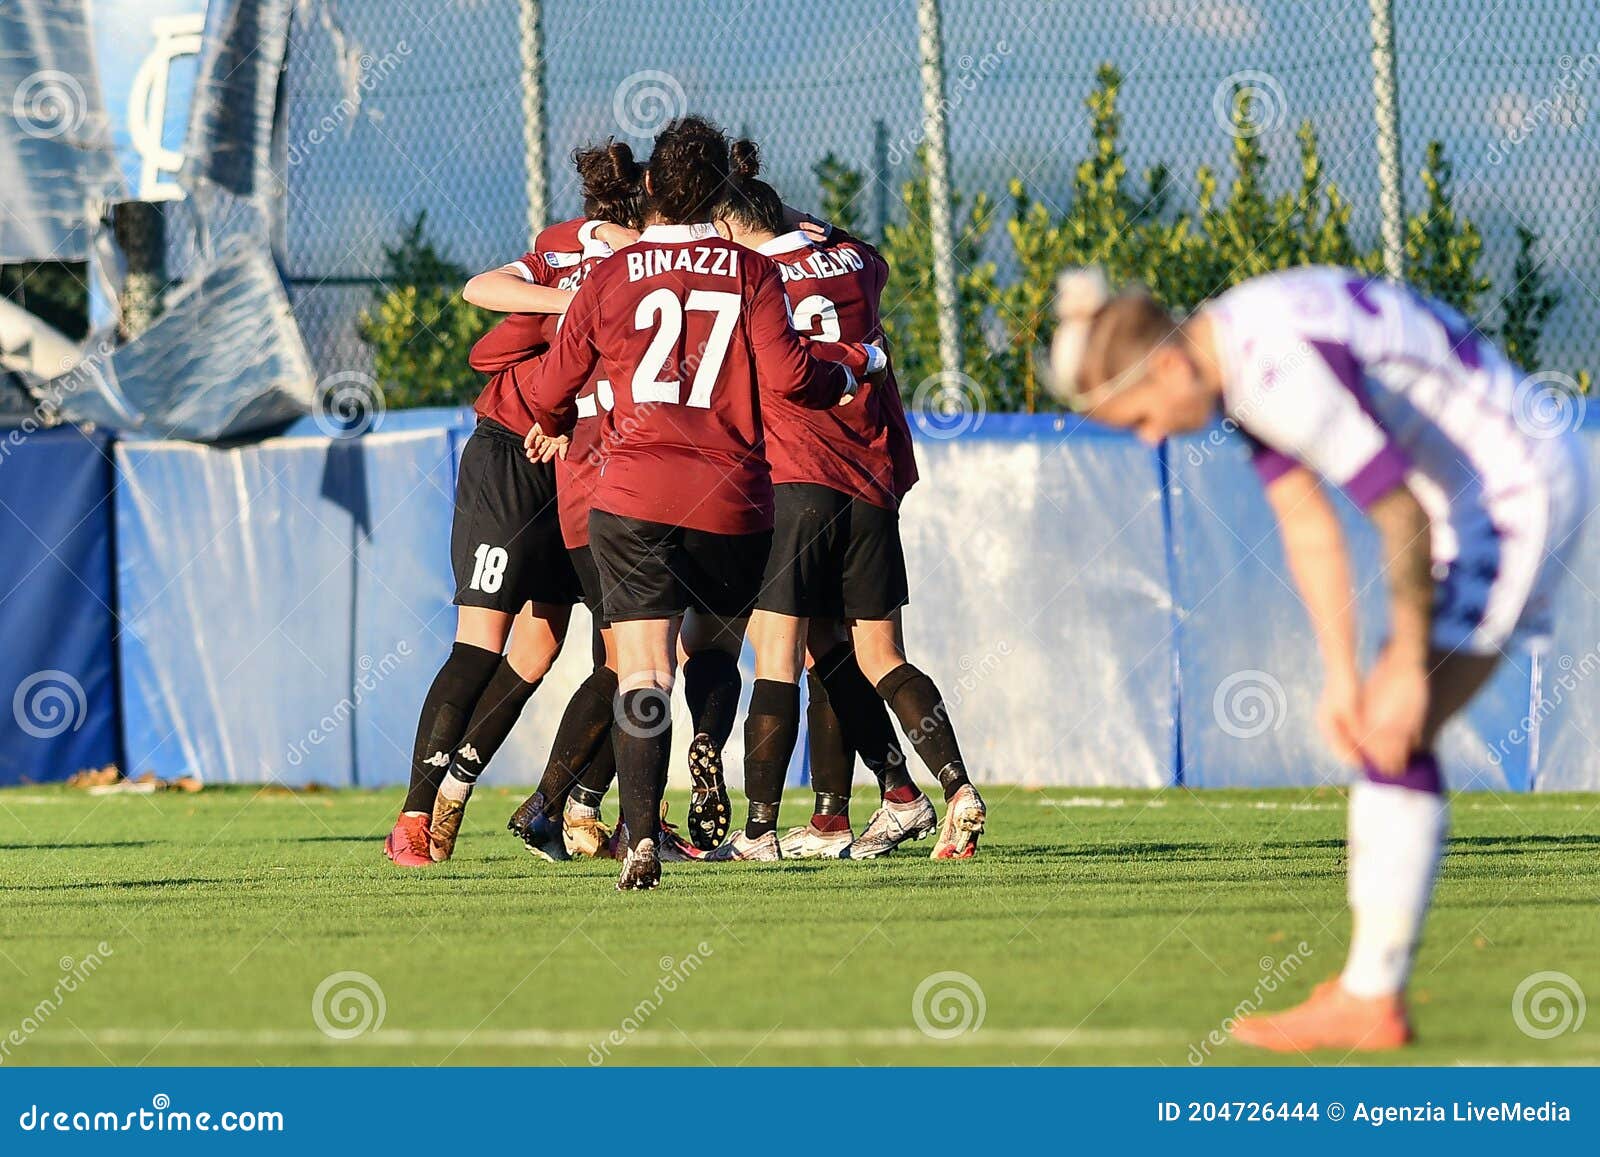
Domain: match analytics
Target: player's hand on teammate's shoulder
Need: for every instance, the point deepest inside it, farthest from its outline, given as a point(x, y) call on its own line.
point(542, 447)
point(616, 236)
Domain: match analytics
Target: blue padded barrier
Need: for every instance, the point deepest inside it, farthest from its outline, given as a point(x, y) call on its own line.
point(284, 603)
point(57, 608)
point(1249, 666)
point(1040, 601)
point(1095, 612)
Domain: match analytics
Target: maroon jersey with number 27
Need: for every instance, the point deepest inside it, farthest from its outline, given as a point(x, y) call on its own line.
point(691, 330)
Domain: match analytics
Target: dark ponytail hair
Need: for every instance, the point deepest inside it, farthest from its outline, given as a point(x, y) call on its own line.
point(750, 203)
point(613, 183)
point(688, 171)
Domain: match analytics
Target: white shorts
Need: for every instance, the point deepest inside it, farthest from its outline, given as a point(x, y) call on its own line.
point(1496, 585)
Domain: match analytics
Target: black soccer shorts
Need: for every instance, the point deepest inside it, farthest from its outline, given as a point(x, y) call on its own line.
point(589, 580)
point(505, 542)
point(833, 556)
point(650, 570)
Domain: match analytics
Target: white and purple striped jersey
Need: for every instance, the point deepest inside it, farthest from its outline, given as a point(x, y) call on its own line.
point(1371, 386)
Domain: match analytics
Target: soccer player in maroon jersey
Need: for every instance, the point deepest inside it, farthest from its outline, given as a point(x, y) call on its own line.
point(838, 478)
point(694, 334)
point(513, 577)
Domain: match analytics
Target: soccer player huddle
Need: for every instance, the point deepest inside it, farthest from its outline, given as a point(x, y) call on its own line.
point(691, 427)
point(710, 448)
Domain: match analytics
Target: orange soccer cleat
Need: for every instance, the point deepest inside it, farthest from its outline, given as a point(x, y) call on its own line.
point(407, 845)
point(1333, 1018)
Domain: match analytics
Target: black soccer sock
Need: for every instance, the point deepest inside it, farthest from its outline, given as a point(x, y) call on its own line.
point(643, 741)
point(711, 687)
point(832, 758)
point(598, 777)
point(446, 710)
point(916, 702)
point(864, 718)
point(771, 728)
point(582, 732)
point(497, 712)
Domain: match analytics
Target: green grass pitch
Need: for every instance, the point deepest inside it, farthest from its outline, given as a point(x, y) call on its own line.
point(1097, 927)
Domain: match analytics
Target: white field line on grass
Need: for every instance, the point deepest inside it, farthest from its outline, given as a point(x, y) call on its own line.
point(644, 1038)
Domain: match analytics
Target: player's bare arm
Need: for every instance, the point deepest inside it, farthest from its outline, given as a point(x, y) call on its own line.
point(503, 290)
point(1319, 560)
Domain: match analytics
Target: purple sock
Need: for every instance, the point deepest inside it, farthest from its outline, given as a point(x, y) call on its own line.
point(1421, 774)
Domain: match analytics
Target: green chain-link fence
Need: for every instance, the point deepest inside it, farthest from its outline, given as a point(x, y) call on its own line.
point(1190, 142)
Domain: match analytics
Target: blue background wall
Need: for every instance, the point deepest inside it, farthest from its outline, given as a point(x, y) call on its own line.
point(1096, 612)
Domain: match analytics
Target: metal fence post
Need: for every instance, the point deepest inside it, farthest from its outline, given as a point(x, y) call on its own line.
point(936, 134)
point(1386, 111)
point(530, 26)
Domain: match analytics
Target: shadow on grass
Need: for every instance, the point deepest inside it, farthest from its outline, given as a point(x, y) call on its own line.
point(77, 847)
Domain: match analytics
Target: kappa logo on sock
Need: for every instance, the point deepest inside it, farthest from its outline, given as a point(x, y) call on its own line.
point(469, 752)
point(438, 759)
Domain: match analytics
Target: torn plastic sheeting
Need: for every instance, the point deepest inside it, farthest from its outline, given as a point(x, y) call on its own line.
point(57, 163)
point(223, 360)
point(233, 112)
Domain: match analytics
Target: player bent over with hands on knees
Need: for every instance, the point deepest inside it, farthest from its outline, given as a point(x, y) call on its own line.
point(1366, 385)
point(836, 556)
point(513, 578)
point(693, 333)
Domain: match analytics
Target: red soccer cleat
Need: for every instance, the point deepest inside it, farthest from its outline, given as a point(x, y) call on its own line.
point(1331, 1019)
point(407, 845)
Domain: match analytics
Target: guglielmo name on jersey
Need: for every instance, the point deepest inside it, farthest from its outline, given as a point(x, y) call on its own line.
point(822, 263)
point(1501, 1112)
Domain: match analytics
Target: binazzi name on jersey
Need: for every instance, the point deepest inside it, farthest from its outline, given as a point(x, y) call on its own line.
point(823, 263)
point(721, 261)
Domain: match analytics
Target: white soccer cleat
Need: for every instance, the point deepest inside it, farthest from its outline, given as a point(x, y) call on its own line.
point(741, 847)
point(892, 825)
point(964, 818)
point(809, 844)
point(641, 868)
